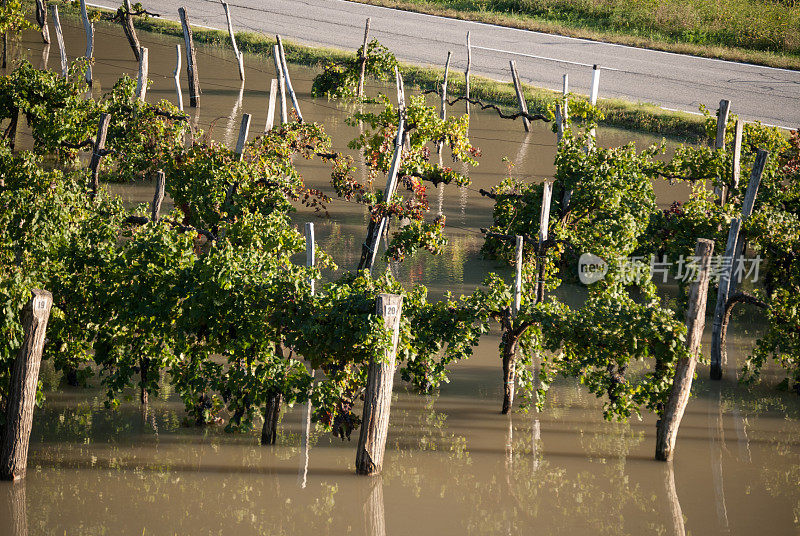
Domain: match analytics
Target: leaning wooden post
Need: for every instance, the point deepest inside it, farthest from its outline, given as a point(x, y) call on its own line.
point(288, 80)
point(141, 80)
point(129, 30)
point(443, 109)
point(176, 76)
point(22, 387)
point(733, 250)
point(378, 394)
point(523, 106)
point(273, 94)
point(60, 40)
point(88, 28)
point(544, 224)
point(667, 426)
point(737, 154)
point(98, 151)
point(236, 52)
point(191, 60)
point(41, 20)
point(244, 130)
point(276, 54)
point(158, 196)
point(360, 92)
point(466, 73)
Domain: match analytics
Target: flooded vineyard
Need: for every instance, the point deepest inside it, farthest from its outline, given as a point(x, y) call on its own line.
point(453, 464)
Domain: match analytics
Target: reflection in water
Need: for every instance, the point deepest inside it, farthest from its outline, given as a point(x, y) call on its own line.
point(45, 56)
point(374, 516)
point(678, 525)
point(717, 435)
point(229, 129)
point(16, 508)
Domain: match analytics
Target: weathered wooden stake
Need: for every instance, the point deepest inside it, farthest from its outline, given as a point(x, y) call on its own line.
point(176, 75)
point(142, 79)
point(276, 54)
point(273, 90)
point(719, 143)
point(559, 123)
point(22, 387)
point(737, 154)
point(158, 196)
point(360, 92)
point(667, 426)
point(466, 73)
point(129, 30)
point(272, 413)
point(41, 20)
point(378, 394)
point(523, 106)
point(443, 109)
point(60, 40)
point(191, 60)
point(244, 130)
point(236, 52)
point(98, 152)
point(733, 250)
point(88, 28)
point(288, 80)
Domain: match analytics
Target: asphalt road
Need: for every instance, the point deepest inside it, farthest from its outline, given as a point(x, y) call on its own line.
point(669, 80)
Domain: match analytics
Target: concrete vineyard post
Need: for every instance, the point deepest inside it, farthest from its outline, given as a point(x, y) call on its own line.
point(273, 94)
point(158, 196)
point(594, 92)
point(142, 79)
point(22, 387)
point(378, 394)
point(244, 130)
point(88, 28)
point(737, 154)
point(360, 92)
point(733, 251)
point(176, 75)
point(60, 40)
point(306, 433)
point(98, 151)
point(667, 426)
point(276, 54)
point(466, 73)
point(236, 52)
point(518, 243)
point(564, 93)
point(191, 60)
point(288, 80)
point(129, 30)
point(544, 224)
point(41, 20)
point(523, 106)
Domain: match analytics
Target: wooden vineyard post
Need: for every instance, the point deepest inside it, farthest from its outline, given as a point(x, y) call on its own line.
point(559, 123)
point(60, 40)
point(719, 142)
point(667, 426)
point(378, 394)
point(244, 130)
point(129, 30)
point(443, 109)
point(466, 73)
point(88, 28)
point(176, 76)
point(509, 348)
point(141, 80)
point(22, 387)
point(273, 94)
point(360, 92)
point(272, 413)
point(733, 250)
point(158, 196)
point(306, 433)
point(276, 54)
point(544, 224)
point(523, 106)
point(98, 151)
point(737, 154)
point(236, 52)
point(191, 60)
point(288, 80)
point(41, 20)
point(369, 249)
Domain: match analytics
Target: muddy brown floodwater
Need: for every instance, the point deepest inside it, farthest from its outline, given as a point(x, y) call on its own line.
point(454, 465)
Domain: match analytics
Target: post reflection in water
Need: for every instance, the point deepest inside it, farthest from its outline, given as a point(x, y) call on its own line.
point(678, 526)
point(717, 437)
point(16, 508)
point(374, 515)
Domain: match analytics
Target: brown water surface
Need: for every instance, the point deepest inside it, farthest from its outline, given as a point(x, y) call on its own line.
point(454, 465)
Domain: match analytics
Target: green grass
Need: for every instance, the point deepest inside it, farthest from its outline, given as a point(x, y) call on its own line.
point(635, 116)
point(765, 32)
